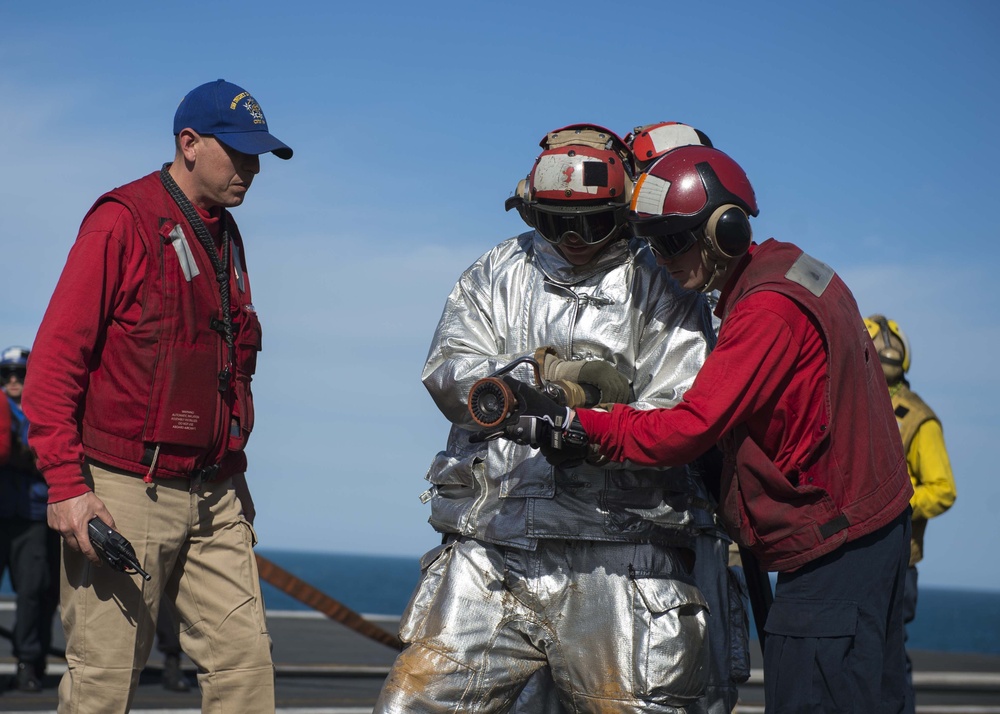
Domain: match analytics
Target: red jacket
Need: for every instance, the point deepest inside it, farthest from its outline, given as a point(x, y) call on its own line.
point(5, 434)
point(127, 360)
point(813, 458)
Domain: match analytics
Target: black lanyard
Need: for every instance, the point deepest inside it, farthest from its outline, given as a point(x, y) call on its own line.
point(221, 265)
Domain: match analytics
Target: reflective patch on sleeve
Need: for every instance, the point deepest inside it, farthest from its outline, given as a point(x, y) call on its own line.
point(184, 255)
point(237, 262)
point(652, 192)
point(811, 274)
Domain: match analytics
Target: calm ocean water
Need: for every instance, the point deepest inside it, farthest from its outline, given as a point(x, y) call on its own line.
point(947, 620)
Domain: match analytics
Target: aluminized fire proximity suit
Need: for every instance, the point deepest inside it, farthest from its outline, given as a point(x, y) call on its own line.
point(584, 570)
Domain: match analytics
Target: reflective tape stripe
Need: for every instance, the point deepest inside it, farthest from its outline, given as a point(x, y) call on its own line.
point(237, 262)
point(184, 255)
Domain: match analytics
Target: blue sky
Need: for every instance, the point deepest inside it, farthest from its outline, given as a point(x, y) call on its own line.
point(867, 129)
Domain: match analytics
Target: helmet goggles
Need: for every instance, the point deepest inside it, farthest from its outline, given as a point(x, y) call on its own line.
point(663, 237)
point(6, 373)
point(590, 226)
point(671, 246)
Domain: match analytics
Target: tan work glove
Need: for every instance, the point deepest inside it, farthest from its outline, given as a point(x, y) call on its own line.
point(569, 375)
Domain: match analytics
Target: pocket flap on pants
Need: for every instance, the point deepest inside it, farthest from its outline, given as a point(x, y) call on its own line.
point(661, 595)
point(812, 618)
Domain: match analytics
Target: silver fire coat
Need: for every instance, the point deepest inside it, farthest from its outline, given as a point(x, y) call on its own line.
point(621, 308)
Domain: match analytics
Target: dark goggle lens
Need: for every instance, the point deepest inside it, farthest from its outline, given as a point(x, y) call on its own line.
point(591, 227)
point(671, 246)
point(6, 374)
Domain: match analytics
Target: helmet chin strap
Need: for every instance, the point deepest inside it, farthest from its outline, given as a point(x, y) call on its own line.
point(718, 265)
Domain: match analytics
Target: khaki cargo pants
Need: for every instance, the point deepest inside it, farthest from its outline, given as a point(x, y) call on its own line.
point(198, 549)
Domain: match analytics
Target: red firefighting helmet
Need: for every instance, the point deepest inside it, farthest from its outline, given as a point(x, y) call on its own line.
point(691, 193)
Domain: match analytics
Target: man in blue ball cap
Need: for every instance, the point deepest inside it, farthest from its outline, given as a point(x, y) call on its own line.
point(231, 115)
point(142, 411)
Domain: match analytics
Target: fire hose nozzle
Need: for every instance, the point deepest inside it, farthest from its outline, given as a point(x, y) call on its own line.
point(491, 402)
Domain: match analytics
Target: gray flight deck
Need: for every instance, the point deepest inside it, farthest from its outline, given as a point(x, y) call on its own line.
point(324, 668)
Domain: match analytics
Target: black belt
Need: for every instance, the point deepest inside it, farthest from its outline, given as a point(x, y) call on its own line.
point(198, 476)
point(202, 475)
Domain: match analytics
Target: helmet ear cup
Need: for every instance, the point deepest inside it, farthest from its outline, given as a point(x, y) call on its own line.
point(888, 354)
point(892, 364)
point(522, 189)
point(517, 201)
point(728, 232)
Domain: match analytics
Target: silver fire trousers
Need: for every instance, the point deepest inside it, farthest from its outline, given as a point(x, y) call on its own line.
point(620, 627)
point(729, 663)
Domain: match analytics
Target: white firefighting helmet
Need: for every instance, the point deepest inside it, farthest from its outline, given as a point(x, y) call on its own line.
point(580, 185)
point(651, 141)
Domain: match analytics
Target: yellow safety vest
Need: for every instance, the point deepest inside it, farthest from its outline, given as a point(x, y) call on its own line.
point(926, 461)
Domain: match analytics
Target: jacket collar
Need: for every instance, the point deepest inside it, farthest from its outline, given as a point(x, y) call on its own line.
point(561, 272)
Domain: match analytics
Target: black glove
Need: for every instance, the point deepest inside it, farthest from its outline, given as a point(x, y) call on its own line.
point(540, 420)
point(568, 456)
point(574, 449)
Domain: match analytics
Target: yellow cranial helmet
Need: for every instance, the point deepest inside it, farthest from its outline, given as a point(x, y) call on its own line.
point(892, 345)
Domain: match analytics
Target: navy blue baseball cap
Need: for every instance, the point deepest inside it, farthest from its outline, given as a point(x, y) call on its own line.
point(231, 115)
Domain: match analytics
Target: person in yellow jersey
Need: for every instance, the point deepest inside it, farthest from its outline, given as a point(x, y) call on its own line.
point(926, 456)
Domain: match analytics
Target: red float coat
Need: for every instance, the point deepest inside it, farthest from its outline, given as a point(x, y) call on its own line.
point(793, 394)
point(127, 359)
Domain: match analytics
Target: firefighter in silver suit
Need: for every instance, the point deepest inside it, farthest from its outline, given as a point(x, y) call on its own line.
point(601, 579)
